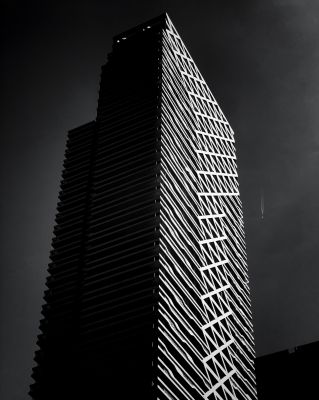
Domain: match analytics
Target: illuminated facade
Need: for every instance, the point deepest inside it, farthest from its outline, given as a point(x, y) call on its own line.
point(148, 292)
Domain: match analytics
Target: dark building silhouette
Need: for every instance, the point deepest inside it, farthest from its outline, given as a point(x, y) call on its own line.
point(288, 374)
point(148, 293)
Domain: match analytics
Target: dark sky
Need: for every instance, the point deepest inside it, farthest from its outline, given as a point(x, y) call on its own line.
point(261, 60)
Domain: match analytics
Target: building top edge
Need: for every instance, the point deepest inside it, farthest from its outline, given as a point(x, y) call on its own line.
point(161, 21)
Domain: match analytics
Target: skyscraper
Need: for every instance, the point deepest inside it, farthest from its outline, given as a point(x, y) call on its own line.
point(148, 294)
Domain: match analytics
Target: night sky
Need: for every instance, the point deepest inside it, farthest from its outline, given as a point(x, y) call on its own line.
point(261, 60)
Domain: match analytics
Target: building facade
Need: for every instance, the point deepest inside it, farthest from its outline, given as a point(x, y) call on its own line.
point(148, 291)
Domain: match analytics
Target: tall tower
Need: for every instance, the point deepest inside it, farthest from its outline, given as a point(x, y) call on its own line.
point(148, 294)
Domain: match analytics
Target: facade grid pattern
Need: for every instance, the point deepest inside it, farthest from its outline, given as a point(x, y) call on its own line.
point(206, 342)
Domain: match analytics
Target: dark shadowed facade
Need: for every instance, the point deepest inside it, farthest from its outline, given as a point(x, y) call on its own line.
point(148, 292)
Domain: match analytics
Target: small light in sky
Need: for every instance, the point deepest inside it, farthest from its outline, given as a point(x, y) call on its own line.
point(262, 202)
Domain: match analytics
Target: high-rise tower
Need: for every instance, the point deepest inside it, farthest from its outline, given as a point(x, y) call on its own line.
point(148, 293)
